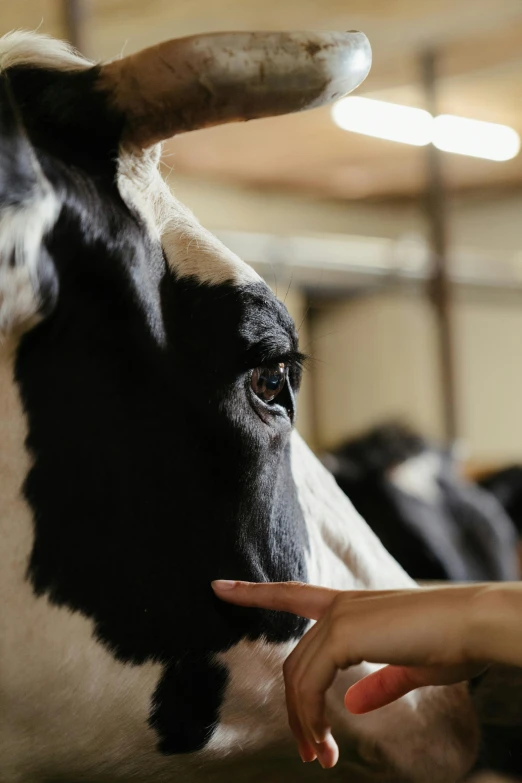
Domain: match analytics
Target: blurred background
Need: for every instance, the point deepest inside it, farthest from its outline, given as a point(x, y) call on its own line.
point(391, 225)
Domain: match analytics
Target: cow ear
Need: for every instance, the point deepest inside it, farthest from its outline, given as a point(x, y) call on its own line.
point(19, 171)
point(28, 209)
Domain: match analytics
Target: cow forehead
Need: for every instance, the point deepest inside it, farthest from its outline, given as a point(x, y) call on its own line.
point(190, 249)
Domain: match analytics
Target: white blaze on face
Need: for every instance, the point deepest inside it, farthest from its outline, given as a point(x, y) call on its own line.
point(190, 250)
point(344, 552)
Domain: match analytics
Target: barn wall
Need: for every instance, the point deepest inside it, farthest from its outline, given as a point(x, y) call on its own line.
point(491, 224)
point(486, 224)
point(374, 360)
point(488, 335)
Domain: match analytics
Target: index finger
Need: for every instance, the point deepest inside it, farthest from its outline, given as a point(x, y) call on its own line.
point(294, 597)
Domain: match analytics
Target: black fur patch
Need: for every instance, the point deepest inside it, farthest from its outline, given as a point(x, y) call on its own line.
point(18, 176)
point(153, 471)
point(506, 485)
point(67, 115)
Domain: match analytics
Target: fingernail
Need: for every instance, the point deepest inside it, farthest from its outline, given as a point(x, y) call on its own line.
point(319, 738)
point(320, 760)
point(223, 584)
point(307, 754)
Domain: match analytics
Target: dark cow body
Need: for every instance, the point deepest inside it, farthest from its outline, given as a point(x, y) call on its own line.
point(435, 524)
point(506, 485)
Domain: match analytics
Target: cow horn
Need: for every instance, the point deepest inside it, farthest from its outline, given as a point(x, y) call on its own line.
point(196, 82)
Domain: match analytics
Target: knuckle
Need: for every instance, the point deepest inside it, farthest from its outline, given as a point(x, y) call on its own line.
point(295, 728)
point(307, 691)
point(336, 631)
point(340, 642)
point(310, 698)
point(290, 589)
point(340, 606)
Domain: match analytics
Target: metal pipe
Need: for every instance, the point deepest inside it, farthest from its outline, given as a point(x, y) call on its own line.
point(74, 14)
point(439, 286)
point(320, 262)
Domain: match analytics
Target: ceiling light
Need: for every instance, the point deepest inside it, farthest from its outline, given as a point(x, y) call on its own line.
point(384, 120)
point(418, 127)
point(473, 137)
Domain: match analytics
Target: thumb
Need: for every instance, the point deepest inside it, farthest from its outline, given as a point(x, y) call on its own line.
point(391, 682)
point(384, 686)
point(294, 597)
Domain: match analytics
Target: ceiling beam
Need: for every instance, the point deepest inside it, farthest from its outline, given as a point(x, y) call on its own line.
point(485, 191)
point(465, 57)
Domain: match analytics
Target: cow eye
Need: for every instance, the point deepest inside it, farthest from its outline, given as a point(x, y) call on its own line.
point(267, 382)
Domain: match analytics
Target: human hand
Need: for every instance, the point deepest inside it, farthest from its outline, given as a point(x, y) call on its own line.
point(424, 635)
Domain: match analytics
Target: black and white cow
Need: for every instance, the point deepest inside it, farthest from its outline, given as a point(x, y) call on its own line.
point(435, 524)
point(506, 485)
point(147, 394)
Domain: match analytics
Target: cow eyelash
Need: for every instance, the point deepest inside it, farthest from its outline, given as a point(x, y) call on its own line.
point(293, 360)
point(296, 360)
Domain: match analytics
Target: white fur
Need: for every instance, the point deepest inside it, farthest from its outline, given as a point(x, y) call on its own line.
point(22, 47)
point(23, 226)
point(190, 249)
point(22, 229)
point(344, 550)
point(417, 476)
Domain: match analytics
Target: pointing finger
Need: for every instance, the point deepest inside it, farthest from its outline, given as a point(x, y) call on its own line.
point(294, 597)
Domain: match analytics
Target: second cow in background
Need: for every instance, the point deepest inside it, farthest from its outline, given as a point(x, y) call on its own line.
point(436, 524)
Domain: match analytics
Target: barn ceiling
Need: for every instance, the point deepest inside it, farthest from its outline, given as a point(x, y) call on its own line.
point(479, 45)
